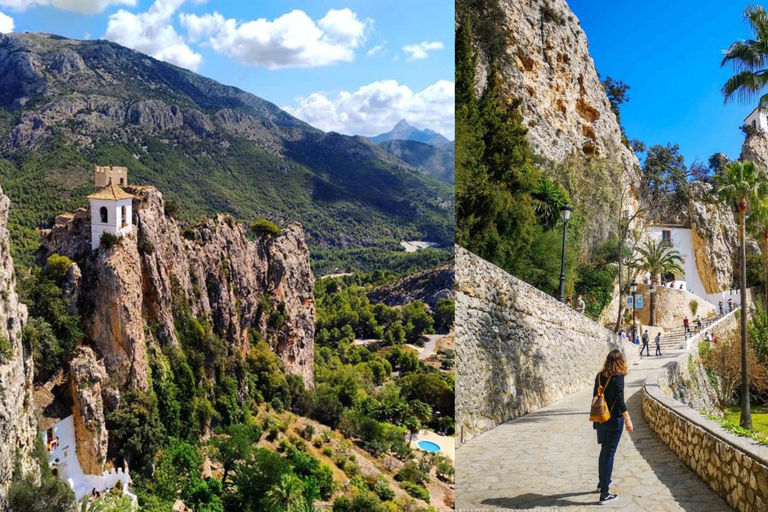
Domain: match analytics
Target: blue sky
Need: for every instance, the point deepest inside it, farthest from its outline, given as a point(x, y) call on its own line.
point(670, 53)
point(351, 66)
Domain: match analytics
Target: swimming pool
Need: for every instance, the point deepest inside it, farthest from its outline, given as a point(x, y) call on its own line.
point(429, 446)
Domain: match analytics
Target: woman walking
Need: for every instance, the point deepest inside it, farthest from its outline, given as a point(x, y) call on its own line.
point(611, 378)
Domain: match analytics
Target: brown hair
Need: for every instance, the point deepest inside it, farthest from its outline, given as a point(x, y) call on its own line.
point(615, 364)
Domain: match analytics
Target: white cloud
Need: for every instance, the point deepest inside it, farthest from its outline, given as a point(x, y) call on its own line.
point(377, 107)
point(421, 50)
point(292, 40)
point(81, 6)
point(152, 32)
point(6, 24)
point(376, 50)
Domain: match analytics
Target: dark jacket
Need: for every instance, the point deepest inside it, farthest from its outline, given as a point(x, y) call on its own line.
point(614, 394)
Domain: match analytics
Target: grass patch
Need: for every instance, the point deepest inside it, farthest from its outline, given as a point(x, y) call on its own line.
point(731, 423)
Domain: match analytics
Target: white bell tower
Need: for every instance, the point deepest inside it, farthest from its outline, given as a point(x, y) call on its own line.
point(111, 206)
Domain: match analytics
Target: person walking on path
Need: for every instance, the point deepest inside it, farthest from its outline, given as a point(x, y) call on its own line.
point(721, 308)
point(580, 304)
point(611, 377)
point(646, 339)
point(623, 336)
point(730, 304)
point(658, 344)
point(685, 324)
point(698, 323)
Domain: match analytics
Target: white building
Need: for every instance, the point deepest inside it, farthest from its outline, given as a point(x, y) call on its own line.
point(60, 442)
point(111, 211)
point(758, 119)
point(680, 239)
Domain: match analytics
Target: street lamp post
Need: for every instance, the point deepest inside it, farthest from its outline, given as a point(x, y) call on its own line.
point(634, 311)
point(565, 214)
point(653, 303)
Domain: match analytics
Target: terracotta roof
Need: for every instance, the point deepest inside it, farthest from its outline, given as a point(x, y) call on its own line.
point(46, 423)
point(43, 397)
point(111, 192)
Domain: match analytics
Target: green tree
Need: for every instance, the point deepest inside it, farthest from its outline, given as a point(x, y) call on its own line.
point(135, 429)
point(52, 495)
point(658, 258)
point(286, 496)
point(740, 184)
point(549, 197)
point(748, 58)
point(444, 314)
point(664, 170)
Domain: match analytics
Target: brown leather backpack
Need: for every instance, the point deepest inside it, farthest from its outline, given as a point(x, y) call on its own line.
point(599, 412)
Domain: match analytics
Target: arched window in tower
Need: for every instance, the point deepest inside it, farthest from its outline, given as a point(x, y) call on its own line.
point(104, 215)
point(125, 215)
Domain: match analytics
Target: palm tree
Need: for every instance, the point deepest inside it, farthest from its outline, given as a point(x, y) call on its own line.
point(548, 198)
point(657, 258)
point(757, 225)
point(287, 495)
point(742, 183)
point(749, 59)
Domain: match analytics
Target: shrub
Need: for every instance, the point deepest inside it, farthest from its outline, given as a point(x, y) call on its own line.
point(317, 442)
point(265, 228)
point(416, 491)
point(108, 241)
point(308, 432)
point(144, 245)
point(171, 208)
point(383, 490)
point(6, 349)
point(52, 495)
point(56, 266)
point(327, 451)
point(694, 305)
point(188, 233)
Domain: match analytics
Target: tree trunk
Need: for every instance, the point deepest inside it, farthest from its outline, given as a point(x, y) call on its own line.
point(621, 292)
point(746, 413)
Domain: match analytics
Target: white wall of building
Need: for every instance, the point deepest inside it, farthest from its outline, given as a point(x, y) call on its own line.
point(682, 242)
point(64, 459)
point(117, 223)
point(758, 118)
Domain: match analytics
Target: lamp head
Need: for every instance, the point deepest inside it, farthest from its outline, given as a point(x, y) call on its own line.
point(565, 212)
point(634, 286)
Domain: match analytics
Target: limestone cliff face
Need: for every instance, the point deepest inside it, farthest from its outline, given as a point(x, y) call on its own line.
point(755, 148)
point(565, 106)
point(114, 321)
point(715, 235)
point(18, 426)
point(236, 283)
point(86, 375)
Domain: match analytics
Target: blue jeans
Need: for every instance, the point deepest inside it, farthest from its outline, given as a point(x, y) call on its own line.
point(608, 435)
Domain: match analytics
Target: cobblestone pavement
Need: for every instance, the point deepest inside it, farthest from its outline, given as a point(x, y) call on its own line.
point(548, 460)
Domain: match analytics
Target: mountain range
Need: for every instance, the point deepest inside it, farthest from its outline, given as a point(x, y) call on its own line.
point(67, 105)
point(404, 131)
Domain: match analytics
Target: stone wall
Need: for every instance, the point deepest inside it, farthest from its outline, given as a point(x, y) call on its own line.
point(517, 348)
point(734, 467)
point(671, 307)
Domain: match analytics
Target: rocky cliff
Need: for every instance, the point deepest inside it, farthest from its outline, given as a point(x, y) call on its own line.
point(755, 148)
point(715, 238)
point(564, 104)
point(86, 376)
point(18, 426)
point(236, 283)
point(428, 286)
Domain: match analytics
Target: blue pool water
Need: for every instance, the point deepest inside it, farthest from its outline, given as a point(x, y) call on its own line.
point(429, 446)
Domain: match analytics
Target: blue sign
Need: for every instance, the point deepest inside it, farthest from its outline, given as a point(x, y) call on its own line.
point(629, 301)
point(639, 300)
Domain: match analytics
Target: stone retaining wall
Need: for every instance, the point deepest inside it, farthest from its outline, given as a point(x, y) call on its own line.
point(734, 467)
point(517, 348)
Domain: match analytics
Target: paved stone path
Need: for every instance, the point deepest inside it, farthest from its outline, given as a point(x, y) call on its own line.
point(548, 460)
